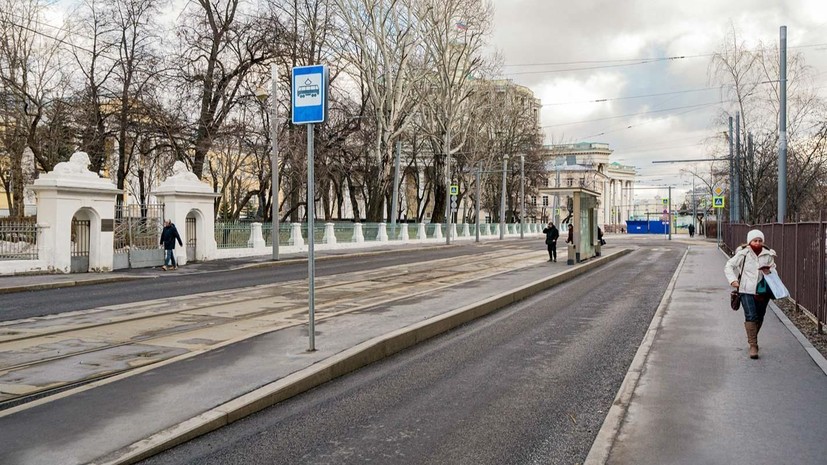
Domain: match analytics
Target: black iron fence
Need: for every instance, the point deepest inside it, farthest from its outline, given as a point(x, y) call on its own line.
point(18, 239)
point(801, 261)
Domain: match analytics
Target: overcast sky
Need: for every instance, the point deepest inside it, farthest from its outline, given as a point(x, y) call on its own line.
point(546, 44)
point(571, 53)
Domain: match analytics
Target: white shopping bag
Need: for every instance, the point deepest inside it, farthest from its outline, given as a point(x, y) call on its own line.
point(776, 286)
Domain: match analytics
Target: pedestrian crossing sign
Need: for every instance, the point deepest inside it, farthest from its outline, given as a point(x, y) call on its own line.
point(718, 201)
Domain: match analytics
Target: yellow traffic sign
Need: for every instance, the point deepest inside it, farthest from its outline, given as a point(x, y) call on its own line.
point(454, 189)
point(718, 190)
point(718, 201)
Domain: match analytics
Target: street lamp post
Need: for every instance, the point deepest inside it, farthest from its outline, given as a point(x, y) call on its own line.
point(449, 212)
point(479, 173)
point(262, 95)
point(502, 199)
point(694, 210)
point(395, 196)
point(522, 196)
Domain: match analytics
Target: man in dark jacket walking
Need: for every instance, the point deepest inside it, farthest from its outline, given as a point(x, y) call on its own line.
point(552, 234)
point(168, 237)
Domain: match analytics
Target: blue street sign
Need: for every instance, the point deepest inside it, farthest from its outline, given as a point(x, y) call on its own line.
point(309, 94)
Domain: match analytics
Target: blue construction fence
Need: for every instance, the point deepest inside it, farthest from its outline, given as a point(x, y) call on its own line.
point(647, 227)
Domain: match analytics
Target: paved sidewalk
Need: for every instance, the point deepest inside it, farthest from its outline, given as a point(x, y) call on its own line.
point(692, 395)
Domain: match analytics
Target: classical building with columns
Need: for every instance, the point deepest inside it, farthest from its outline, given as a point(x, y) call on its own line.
point(587, 164)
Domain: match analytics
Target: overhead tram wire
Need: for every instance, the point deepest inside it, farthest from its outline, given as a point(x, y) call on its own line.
point(587, 68)
point(56, 39)
point(628, 61)
point(632, 126)
point(611, 99)
point(700, 105)
point(637, 60)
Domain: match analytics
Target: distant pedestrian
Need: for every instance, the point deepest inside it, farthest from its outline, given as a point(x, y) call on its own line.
point(600, 236)
point(570, 238)
point(168, 237)
point(552, 234)
point(691, 229)
point(745, 271)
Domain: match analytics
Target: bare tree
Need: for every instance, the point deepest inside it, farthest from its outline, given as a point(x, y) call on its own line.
point(750, 77)
point(31, 76)
point(228, 171)
point(221, 43)
point(454, 39)
point(96, 63)
point(136, 75)
point(380, 41)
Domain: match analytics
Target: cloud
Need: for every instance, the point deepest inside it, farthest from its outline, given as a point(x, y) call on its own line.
point(578, 52)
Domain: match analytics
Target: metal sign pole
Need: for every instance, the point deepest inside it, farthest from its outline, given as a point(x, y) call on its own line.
point(311, 264)
point(309, 107)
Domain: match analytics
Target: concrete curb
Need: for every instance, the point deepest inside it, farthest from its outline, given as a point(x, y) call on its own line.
point(603, 443)
point(814, 353)
point(70, 283)
point(338, 365)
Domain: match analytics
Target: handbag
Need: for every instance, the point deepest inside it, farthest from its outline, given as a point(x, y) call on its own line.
point(735, 299)
point(734, 295)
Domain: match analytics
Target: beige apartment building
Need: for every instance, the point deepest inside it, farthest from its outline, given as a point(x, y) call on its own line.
point(588, 165)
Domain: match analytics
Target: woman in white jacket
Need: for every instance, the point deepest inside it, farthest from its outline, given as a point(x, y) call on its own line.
point(745, 271)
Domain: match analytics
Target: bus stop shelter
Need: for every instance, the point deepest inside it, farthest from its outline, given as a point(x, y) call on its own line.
point(582, 204)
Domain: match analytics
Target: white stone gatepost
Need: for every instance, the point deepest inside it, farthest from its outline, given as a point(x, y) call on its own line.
point(183, 196)
point(72, 191)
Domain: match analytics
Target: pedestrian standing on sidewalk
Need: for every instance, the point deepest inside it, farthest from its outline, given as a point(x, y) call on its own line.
point(552, 234)
point(570, 238)
point(745, 271)
point(168, 237)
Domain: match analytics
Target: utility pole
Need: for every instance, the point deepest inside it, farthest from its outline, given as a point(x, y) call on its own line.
point(479, 172)
point(669, 212)
point(749, 165)
point(736, 196)
point(694, 211)
point(502, 199)
point(448, 212)
point(395, 196)
point(782, 130)
point(556, 213)
point(522, 196)
point(731, 173)
point(274, 159)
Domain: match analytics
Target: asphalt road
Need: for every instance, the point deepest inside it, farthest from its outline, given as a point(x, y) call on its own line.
point(529, 384)
point(213, 277)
